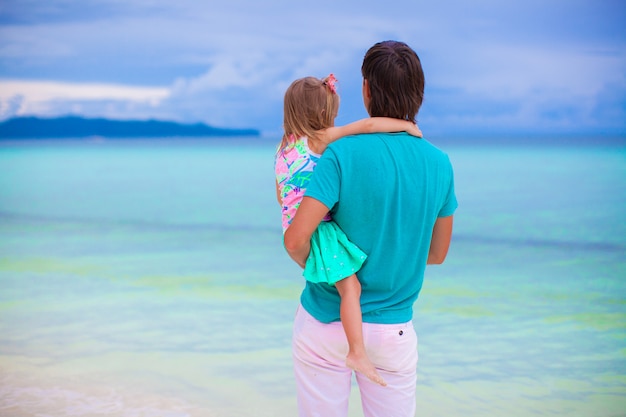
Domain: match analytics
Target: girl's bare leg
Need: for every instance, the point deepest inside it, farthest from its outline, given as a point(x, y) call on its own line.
point(350, 311)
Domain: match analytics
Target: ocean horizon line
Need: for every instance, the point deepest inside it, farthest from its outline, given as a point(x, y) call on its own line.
point(265, 139)
point(100, 129)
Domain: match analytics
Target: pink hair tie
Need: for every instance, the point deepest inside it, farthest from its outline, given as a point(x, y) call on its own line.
point(331, 82)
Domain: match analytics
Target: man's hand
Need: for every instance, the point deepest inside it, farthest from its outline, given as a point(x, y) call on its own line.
point(298, 235)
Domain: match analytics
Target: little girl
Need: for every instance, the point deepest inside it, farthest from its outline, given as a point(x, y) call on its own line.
point(311, 106)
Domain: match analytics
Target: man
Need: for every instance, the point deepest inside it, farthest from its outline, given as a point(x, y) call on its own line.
point(393, 196)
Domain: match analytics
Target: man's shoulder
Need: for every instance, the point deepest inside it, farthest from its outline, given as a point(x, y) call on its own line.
point(394, 138)
point(350, 140)
point(361, 140)
point(433, 148)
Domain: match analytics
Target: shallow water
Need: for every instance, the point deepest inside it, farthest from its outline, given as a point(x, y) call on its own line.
point(149, 279)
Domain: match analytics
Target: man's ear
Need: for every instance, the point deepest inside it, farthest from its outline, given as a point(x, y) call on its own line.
point(366, 89)
point(367, 95)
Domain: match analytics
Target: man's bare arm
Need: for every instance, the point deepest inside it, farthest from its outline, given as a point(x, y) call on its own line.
point(440, 243)
point(298, 235)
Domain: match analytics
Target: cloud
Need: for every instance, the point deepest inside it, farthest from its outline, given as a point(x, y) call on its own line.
point(521, 70)
point(18, 97)
point(227, 72)
point(230, 63)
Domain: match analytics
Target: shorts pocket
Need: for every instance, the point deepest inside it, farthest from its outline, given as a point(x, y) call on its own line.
point(392, 347)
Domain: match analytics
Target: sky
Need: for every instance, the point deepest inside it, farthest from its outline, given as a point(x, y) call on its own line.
point(491, 66)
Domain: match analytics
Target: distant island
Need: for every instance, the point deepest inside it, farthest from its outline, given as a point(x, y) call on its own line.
point(79, 127)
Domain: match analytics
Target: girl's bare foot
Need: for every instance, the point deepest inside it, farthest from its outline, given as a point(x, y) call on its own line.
point(362, 364)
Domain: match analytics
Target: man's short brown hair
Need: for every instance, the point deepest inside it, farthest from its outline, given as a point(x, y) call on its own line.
point(396, 80)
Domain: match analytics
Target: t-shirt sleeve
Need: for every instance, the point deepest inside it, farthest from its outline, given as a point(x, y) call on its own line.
point(326, 182)
point(450, 203)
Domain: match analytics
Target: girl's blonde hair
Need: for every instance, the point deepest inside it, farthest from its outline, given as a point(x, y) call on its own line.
point(311, 104)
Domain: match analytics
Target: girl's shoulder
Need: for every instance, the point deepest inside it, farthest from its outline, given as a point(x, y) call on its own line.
point(298, 147)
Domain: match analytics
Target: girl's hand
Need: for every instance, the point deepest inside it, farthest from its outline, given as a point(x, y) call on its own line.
point(413, 130)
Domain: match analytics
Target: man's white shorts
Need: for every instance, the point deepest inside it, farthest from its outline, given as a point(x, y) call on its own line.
point(323, 380)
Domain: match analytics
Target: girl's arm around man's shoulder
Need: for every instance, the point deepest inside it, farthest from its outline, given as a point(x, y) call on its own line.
point(370, 125)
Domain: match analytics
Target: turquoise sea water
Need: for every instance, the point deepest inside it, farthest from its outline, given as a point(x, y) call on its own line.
point(147, 278)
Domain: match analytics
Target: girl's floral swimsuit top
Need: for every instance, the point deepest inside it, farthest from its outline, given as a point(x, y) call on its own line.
point(294, 168)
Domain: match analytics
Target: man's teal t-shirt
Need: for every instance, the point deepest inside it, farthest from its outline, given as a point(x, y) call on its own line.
point(385, 191)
